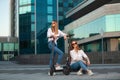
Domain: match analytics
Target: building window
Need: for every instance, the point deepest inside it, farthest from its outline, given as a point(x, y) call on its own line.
point(32, 1)
point(49, 2)
point(8, 47)
point(113, 22)
point(32, 9)
point(33, 27)
point(50, 18)
point(50, 10)
point(33, 18)
point(25, 9)
point(23, 2)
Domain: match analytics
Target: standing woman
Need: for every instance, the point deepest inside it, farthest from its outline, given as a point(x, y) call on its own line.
point(79, 59)
point(53, 35)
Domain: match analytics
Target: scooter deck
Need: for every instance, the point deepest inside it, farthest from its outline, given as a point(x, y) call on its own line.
point(58, 70)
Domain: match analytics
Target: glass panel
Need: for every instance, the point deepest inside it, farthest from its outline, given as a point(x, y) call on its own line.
point(16, 46)
point(90, 29)
point(60, 17)
point(113, 22)
point(50, 18)
point(50, 9)
point(23, 2)
point(25, 9)
point(8, 47)
point(49, 2)
point(110, 22)
point(32, 1)
point(32, 18)
point(32, 9)
point(33, 27)
point(28, 1)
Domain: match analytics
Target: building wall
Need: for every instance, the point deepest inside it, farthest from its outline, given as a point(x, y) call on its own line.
point(35, 18)
point(102, 20)
point(114, 44)
point(13, 18)
point(102, 11)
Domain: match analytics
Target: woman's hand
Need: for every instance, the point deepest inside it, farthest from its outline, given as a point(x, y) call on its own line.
point(65, 37)
point(88, 63)
point(55, 36)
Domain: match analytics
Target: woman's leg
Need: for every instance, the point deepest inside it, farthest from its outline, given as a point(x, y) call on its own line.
point(60, 54)
point(51, 47)
point(83, 66)
point(75, 66)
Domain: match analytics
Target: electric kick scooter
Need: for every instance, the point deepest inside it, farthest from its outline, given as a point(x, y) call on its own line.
point(52, 67)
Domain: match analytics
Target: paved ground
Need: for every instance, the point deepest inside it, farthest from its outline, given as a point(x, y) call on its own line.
point(12, 71)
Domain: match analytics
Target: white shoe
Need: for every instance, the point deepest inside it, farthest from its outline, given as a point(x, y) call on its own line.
point(53, 73)
point(90, 73)
point(79, 73)
point(58, 68)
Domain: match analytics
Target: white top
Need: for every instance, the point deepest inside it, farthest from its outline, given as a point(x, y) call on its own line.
point(77, 55)
point(50, 33)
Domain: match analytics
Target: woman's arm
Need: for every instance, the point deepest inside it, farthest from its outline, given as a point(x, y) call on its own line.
point(49, 35)
point(63, 34)
point(86, 61)
point(85, 58)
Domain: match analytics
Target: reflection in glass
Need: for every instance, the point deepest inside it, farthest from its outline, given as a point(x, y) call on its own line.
point(107, 23)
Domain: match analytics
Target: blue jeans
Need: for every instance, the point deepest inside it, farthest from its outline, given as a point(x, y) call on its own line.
point(54, 50)
point(79, 65)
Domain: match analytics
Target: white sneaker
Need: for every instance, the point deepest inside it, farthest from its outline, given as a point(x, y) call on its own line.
point(90, 73)
point(53, 73)
point(58, 68)
point(79, 73)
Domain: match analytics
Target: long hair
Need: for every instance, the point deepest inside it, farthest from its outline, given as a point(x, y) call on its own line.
point(55, 28)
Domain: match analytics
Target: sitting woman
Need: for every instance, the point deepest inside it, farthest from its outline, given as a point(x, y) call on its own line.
point(79, 59)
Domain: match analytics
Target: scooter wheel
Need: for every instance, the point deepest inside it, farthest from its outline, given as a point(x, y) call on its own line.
point(51, 71)
point(66, 71)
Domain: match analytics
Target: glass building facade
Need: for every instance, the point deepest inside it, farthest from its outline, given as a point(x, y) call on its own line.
point(35, 18)
point(26, 26)
point(63, 7)
point(108, 23)
point(99, 21)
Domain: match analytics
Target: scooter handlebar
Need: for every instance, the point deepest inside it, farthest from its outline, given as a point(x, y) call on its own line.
point(70, 35)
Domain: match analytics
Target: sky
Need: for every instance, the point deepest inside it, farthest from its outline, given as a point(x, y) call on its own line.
point(4, 18)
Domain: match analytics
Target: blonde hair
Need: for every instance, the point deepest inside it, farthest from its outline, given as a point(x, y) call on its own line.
point(55, 28)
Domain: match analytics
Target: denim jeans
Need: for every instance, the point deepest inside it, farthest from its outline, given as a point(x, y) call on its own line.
point(55, 50)
point(79, 65)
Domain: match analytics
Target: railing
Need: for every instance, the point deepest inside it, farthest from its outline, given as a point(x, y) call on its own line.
point(109, 57)
point(95, 58)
